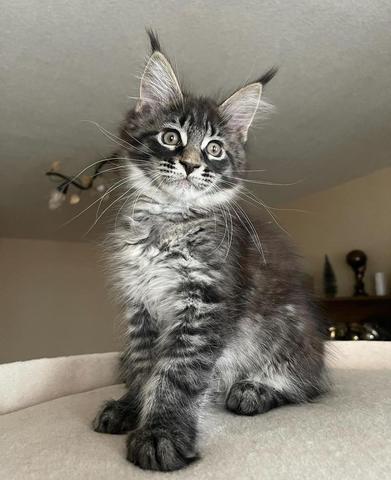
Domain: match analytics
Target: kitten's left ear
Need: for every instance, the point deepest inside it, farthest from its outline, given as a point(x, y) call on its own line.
point(159, 85)
point(240, 108)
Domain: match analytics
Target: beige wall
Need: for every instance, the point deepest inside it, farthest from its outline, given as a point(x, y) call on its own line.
point(53, 300)
point(356, 214)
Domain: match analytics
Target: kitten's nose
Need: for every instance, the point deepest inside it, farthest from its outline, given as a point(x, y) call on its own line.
point(190, 160)
point(189, 167)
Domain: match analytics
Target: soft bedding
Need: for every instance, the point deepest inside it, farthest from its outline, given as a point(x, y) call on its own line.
point(47, 406)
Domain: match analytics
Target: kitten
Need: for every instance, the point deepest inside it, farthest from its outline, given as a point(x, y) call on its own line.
point(215, 309)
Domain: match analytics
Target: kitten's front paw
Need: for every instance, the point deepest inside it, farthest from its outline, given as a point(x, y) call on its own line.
point(160, 449)
point(116, 417)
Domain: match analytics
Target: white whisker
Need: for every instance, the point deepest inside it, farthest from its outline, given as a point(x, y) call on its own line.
point(115, 139)
point(252, 232)
point(262, 182)
point(93, 203)
point(105, 210)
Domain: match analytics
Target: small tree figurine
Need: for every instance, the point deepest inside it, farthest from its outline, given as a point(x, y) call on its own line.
point(329, 279)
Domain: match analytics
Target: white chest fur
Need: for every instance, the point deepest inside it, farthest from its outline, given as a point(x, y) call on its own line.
point(150, 278)
point(155, 262)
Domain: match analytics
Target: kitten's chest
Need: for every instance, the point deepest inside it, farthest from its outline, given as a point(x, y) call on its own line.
point(156, 262)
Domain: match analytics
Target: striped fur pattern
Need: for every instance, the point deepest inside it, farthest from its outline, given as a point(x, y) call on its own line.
point(215, 308)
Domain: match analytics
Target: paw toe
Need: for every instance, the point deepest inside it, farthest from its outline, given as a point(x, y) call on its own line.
point(250, 398)
point(114, 419)
point(243, 399)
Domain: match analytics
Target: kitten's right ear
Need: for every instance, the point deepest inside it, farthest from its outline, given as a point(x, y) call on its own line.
point(159, 85)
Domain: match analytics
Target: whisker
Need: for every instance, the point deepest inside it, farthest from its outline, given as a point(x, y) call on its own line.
point(252, 171)
point(282, 209)
point(138, 141)
point(119, 167)
point(214, 187)
point(261, 182)
point(110, 190)
point(276, 221)
point(257, 243)
point(105, 210)
point(225, 228)
point(119, 211)
point(140, 192)
point(75, 177)
point(230, 228)
point(93, 203)
point(114, 138)
point(250, 196)
point(230, 233)
point(128, 198)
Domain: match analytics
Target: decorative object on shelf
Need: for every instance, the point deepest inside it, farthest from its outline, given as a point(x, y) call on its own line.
point(370, 332)
point(357, 309)
point(338, 331)
point(329, 279)
point(358, 261)
point(358, 318)
point(356, 330)
point(79, 183)
point(380, 284)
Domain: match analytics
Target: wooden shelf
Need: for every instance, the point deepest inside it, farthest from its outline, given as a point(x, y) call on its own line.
point(369, 298)
point(357, 309)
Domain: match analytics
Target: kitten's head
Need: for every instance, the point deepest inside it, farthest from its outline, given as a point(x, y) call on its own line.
point(182, 149)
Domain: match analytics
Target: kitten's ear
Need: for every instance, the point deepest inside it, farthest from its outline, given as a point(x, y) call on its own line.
point(240, 108)
point(159, 85)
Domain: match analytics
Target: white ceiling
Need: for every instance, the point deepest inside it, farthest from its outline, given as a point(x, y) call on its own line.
point(65, 62)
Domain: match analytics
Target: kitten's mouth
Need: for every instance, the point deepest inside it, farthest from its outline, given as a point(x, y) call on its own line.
point(182, 187)
point(185, 183)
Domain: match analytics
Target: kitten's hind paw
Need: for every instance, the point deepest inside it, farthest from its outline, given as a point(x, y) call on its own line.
point(250, 398)
point(116, 417)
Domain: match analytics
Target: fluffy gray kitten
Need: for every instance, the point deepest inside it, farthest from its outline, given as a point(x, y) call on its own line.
point(215, 309)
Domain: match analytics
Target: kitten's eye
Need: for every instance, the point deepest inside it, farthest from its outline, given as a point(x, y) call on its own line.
point(214, 149)
point(171, 138)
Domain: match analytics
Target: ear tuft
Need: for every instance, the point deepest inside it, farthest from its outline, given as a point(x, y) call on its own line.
point(269, 75)
point(154, 40)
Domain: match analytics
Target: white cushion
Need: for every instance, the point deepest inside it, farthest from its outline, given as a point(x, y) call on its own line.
point(345, 435)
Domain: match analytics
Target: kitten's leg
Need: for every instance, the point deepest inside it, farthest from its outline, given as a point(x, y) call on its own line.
point(278, 385)
point(166, 438)
point(121, 416)
point(275, 360)
point(250, 397)
point(278, 382)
